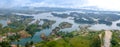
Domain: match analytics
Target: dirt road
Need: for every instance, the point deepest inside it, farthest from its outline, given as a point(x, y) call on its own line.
point(107, 38)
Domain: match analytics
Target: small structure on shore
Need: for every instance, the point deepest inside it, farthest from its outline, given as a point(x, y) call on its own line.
point(9, 22)
point(24, 34)
point(43, 36)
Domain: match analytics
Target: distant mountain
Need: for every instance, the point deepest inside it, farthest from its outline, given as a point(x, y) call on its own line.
point(93, 8)
point(51, 9)
point(44, 8)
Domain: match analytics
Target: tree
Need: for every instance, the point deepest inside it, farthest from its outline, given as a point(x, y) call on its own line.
point(4, 44)
point(31, 29)
point(0, 26)
point(114, 42)
point(96, 42)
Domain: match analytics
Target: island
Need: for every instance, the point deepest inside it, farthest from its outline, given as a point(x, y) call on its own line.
point(64, 15)
point(118, 24)
point(65, 25)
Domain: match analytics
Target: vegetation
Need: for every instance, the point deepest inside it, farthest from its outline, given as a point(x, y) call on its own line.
point(20, 27)
point(0, 26)
point(118, 24)
point(64, 15)
point(31, 29)
point(65, 25)
point(5, 44)
point(73, 39)
point(115, 39)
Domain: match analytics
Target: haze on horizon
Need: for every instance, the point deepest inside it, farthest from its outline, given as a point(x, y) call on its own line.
point(104, 4)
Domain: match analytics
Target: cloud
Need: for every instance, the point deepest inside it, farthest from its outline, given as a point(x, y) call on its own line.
point(59, 3)
point(13, 3)
point(105, 4)
point(42, 3)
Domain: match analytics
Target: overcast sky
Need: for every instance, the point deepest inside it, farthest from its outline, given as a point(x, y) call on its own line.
point(105, 4)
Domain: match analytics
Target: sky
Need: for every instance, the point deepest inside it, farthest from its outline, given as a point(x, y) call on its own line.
point(104, 4)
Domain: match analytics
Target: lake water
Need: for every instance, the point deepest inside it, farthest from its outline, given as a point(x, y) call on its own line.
point(36, 37)
point(3, 22)
point(105, 27)
point(75, 25)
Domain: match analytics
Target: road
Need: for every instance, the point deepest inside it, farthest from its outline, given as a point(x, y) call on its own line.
point(107, 38)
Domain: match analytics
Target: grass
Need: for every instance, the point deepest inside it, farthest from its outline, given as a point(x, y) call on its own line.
point(91, 39)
